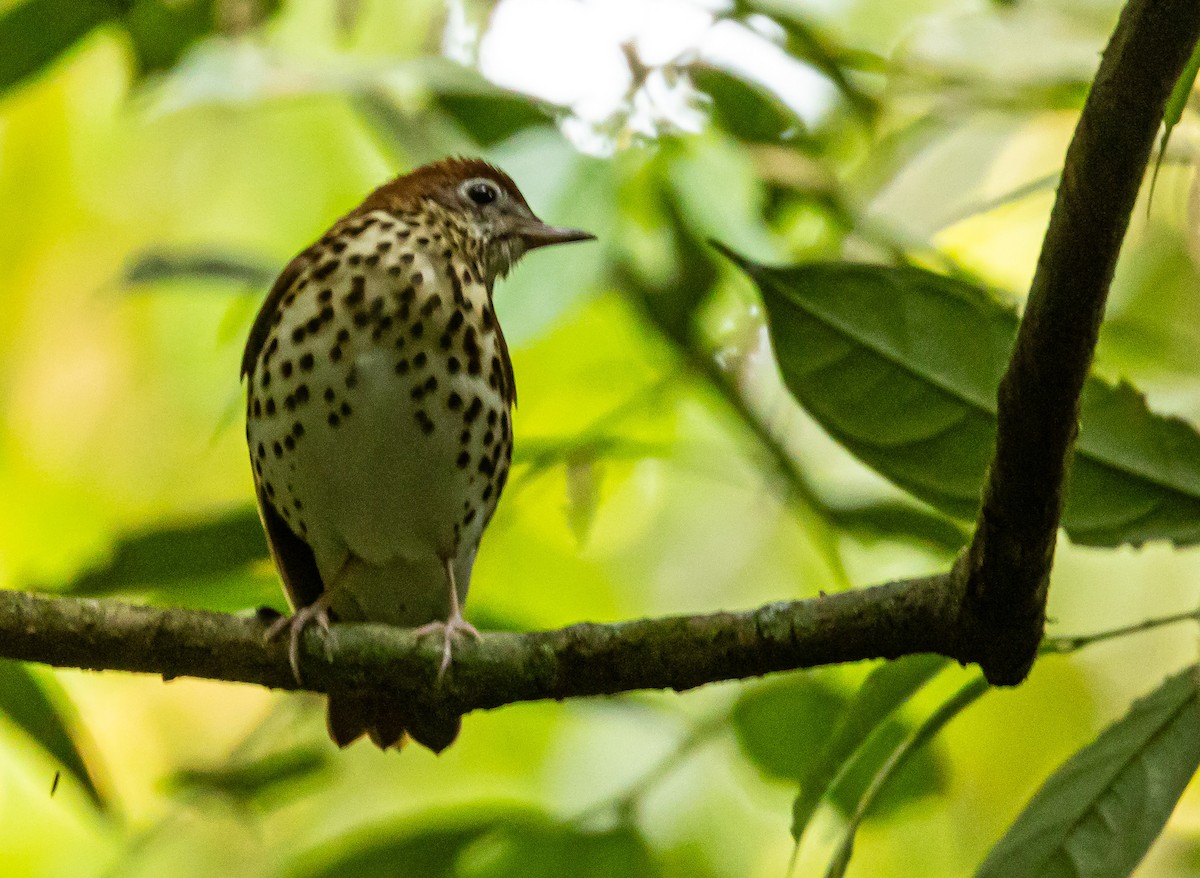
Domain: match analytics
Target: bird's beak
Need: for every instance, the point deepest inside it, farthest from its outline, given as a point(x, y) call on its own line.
point(535, 233)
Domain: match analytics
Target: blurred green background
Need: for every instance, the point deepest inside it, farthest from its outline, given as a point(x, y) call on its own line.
point(156, 173)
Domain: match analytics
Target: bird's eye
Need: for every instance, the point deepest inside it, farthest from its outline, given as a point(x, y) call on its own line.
point(482, 193)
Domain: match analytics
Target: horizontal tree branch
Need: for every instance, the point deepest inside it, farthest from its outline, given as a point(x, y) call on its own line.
point(1011, 555)
point(680, 652)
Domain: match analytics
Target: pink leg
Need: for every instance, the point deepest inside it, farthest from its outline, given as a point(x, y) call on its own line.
point(317, 611)
point(454, 624)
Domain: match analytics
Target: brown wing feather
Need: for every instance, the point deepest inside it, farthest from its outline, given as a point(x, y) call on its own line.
point(262, 323)
point(293, 558)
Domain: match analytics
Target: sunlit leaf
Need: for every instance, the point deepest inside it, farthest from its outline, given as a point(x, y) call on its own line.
point(901, 366)
point(35, 33)
point(886, 689)
point(905, 749)
point(1100, 812)
point(36, 705)
point(784, 728)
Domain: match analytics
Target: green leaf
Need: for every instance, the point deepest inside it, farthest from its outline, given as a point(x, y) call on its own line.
point(781, 727)
point(164, 265)
point(747, 111)
point(1100, 812)
point(34, 704)
point(491, 842)
point(35, 33)
point(901, 753)
point(901, 366)
point(884, 691)
point(1173, 111)
point(162, 31)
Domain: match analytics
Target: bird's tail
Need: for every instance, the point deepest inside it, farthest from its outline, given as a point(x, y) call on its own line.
point(388, 722)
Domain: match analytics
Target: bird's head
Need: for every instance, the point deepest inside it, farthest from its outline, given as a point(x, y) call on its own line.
point(484, 205)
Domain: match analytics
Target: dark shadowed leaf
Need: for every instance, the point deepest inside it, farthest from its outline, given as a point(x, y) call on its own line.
point(901, 366)
point(204, 563)
point(1101, 810)
point(784, 728)
point(258, 779)
point(36, 32)
point(883, 692)
point(886, 520)
point(494, 842)
point(745, 110)
point(37, 706)
point(488, 113)
point(899, 756)
point(163, 266)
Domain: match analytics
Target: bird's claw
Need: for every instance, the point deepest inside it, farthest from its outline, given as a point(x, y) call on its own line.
point(295, 625)
point(448, 629)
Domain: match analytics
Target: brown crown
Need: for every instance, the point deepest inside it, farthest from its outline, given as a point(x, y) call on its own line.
point(426, 181)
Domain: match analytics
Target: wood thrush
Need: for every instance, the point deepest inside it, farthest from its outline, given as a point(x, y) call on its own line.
point(379, 398)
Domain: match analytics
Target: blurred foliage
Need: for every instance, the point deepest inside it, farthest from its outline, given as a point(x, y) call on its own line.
point(900, 157)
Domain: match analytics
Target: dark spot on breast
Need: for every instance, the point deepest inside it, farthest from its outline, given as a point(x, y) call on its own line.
point(351, 379)
point(346, 410)
point(262, 451)
point(464, 437)
point(455, 322)
point(265, 379)
point(423, 420)
point(487, 492)
point(329, 394)
point(361, 319)
point(278, 449)
point(323, 271)
point(358, 291)
point(407, 295)
point(343, 334)
point(290, 403)
point(473, 366)
point(489, 437)
point(302, 393)
point(372, 259)
point(407, 259)
point(464, 460)
point(487, 319)
point(420, 360)
point(257, 408)
point(417, 329)
point(270, 406)
point(473, 410)
point(355, 259)
point(335, 353)
point(290, 442)
point(298, 334)
point(270, 489)
point(431, 304)
point(454, 401)
point(285, 368)
point(306, 362)
point(469, 517)
point(325, 295)
point(333, 419)
point(297, 429)
point(400, 342)
point(383, 246)
point(326, 314)
point(402, 367)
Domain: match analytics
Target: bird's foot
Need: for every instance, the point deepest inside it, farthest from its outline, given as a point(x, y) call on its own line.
point(295, 624)
point(453, 626)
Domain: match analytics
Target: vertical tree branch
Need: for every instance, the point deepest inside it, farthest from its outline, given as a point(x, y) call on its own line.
point(1008, 563)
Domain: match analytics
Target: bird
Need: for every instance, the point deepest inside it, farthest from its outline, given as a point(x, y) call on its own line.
point(379, 398)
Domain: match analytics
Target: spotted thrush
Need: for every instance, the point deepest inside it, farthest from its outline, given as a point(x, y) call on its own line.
point(379, 400)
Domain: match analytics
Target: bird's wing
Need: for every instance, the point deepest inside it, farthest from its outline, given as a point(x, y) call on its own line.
point(293, 558)
point(262, 323)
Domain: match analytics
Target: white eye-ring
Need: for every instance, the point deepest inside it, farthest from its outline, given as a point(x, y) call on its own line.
point(481, 192)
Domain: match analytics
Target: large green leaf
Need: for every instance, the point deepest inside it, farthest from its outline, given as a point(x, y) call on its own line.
point(1173, 111)
point(1099, 813)
point(35, 704)
point(746, 110)
point(35, 33)
point(784, 728)
point(884, 691)
point(901, 366)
